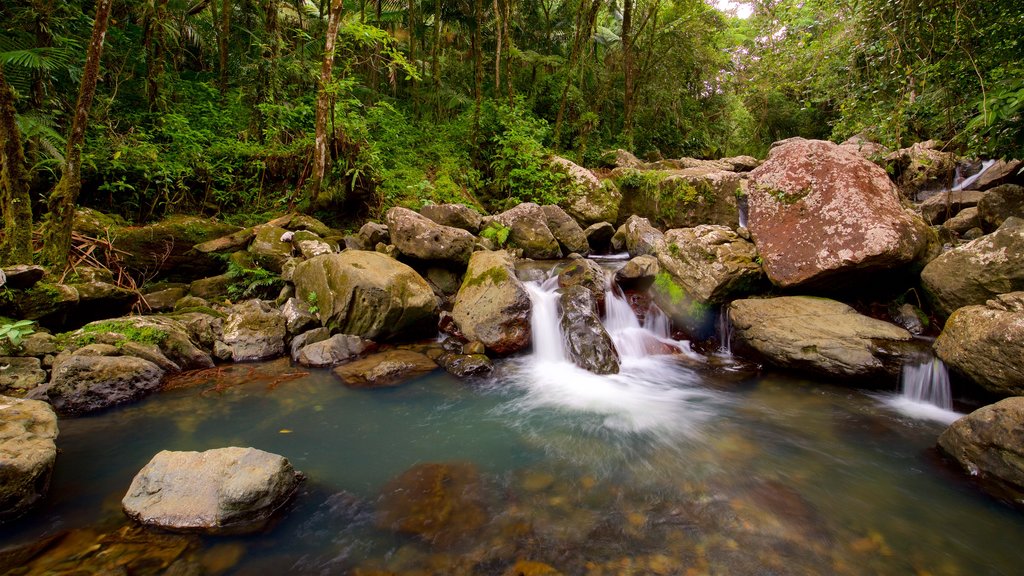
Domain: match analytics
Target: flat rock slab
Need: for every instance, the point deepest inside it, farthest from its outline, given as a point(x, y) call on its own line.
point(222, 491)
point(28, 429)
point(389, 368)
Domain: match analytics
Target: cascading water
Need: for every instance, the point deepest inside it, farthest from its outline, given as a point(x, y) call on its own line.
point(962, 183)
point(925, 391)
point(724, 332)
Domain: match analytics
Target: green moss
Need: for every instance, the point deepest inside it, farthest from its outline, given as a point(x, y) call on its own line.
point(663, 283)
point(495, 275)
point(200, 309)
point(126, 329)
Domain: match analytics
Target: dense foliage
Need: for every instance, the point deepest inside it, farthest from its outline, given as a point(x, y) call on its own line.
point(210, 105)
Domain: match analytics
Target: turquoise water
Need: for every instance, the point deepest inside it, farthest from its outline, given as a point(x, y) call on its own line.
point(669, 469)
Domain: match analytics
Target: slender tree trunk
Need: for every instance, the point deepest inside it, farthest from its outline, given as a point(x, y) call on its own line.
point(478, 68)
point(154, 44)
point(585, 20)
point(508, 51)
point(627, 72)
point(498, 28)
point(323, 103)
point(222, 43)
point(16, 204)
point(435, 58)
point(61, 204)
point(414, 87)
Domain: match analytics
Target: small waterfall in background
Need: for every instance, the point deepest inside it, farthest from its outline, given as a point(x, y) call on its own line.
point(632, 338)
point(742, 206)
point(960, 183)
point(724, 332)
point(925, 390)
point(547, 334)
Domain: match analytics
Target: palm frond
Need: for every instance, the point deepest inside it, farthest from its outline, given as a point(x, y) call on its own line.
point(42, 129)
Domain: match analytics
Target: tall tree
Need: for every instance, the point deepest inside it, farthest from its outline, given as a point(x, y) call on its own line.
point(14, 184)
point(61, 203)
point(323, 102)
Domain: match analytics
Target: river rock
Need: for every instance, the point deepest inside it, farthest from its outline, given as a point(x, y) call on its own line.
point(18, 375)
point(999, 173)
point(820, 214)
point(681, 194)
point(441, 503)
point(587, 342)
point(420, 237)
point(306, 338)
point(28, 429)
point(620, 159)
point(305, 222)
point(223, 491)
point(599, 236)
point(22, 276)
point(818, 335)
point(637, 236)
point(83, 383)
point(742, 163)
point(334, 350)
point(711, 264)
point(166, 247)
point(454, 215)
point(367, 294)
point(466, 365)
point(922, 166)
point(586, 273)
point(989, 445)
point(270, 248)
point(528, 230)
point(568, 233)
point(310, 245)
point(493, 306)
point(588, 199)
point(944, 205)
point(383, 369)
point(297, 317)
point(638, 270)
point(164, 300)
point(1000, 203)
point(865, 148)
point(212, 288)
point(254, 330)
point(986, 342)
point(964, 220)
point(976, 271)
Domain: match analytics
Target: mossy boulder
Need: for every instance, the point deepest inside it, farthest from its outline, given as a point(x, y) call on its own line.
point(28, 429)
point(367, 294)
point(680, 198)
point(165, 249)
point(589, 199)
point(493, 306)
point(986, 343)
point(529, 231)
point(712, 264)
point(254, 330)
point(270, 248)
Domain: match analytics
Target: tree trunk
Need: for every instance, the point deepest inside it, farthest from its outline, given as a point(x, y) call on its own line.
point(435, 58)
point(627, 72)
point(16, 247)
point(414, 87)
point(323, 103)
point(478, 71)
point(585, 21)
point(154, 43)
point(61, 203)
point(222, 43)
point(498, 29)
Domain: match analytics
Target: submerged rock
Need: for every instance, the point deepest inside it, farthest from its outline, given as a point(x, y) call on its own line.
point(989, 445)
point(587, 342)
point(367, 294)
point(466, 365)
point(420, 237)
point(222, 491)
point(821, 214)
point(334, 350)
point(493, 306)
point(818, 335)
point(442, 503)
point(384, 369)
point(986, 342)
point(28, 429)
point(978, 270)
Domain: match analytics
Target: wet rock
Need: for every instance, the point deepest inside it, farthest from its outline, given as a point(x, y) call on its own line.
point(680, 194)
point(493, 306)
point(1002, 172)
point(818, 335)
point(978, 270)
point(528, 231)
point(441, 503)
point(973, 234)
point(212, 288)
point(22, 276)
point(986, 342)
point(454, 215)
point(466, 365)
point(587, 343)
point(922, 166)
point(637, 237)
point(599, 236)
point(223, 491)
point(367, 294)
point(306, 338)
point(821, 215)
point(909, 317)
point(585, 273)
point(999, 204)
point(84, 383)
point(165, 299)
point(373, 233)
point(297, 317)
point(18, 375)
point(588, 199)
point(944, 205)
point(269, 248)
point(28, 429)
point(334, 350)
point(384, 369)
point(989, 445)
point(963, 221)
point(254, 330)
point(420, 237)
point(710, 264)
point(568, 233)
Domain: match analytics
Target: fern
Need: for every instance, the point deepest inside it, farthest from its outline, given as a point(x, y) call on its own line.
point(252, 282)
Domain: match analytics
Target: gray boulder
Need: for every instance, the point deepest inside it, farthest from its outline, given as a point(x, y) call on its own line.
point(1001, 172)
point(710, 264)
point(1000, 203)
point(28, 429)
point(637, 237)
point(922, 166)
point(818, 335)
point(986, 342)
point(639, 269)
point(269, 249)
point(620, 159)
point(454, 215)
point(420, 237)
point(385, 369)
point(222, 491)
point(568, 233)
point(588, 199)
point(297, 317)
point(310, 245)
point(944, 205)
point(373, 233)
point(976, 271)
point(528, 230)
point(334, 350)
point(964, 220)
point(587, 343)
point(989, 445)
point(820, 214)
point(493, 306)
point(306, 338)
point(367, 294)
point(18, 375)
point(599, 235)
point(681, 194)
point(586, 273)
point(82, 383)
point(254, 330)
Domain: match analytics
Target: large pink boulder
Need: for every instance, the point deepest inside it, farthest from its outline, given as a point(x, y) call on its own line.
point(819, 212)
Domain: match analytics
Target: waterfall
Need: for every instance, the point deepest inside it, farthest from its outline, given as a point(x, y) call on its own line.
point(724, 332)
point(742, 207)
point(963, 184)
point(928, 383)
point(633, 339)
point(547, 334)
